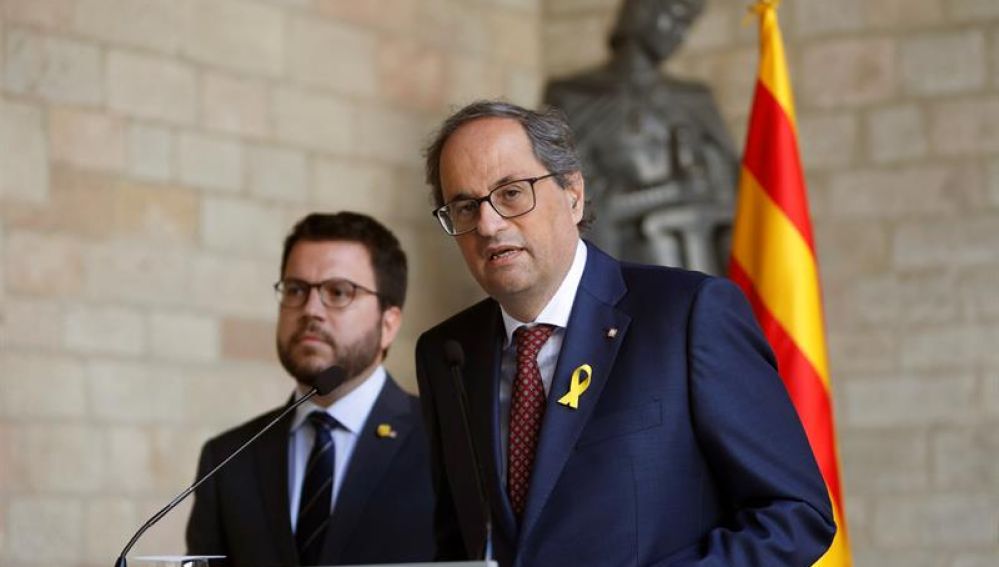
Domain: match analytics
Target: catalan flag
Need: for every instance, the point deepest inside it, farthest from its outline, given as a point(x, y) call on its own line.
point(774, 261)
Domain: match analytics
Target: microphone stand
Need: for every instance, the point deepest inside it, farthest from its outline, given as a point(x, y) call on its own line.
point(327, 381)
point(456, 360)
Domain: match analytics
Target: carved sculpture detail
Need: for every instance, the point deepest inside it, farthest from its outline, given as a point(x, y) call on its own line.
point(660, 167)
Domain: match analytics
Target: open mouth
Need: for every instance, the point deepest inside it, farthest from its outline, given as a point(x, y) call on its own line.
point(502, 253)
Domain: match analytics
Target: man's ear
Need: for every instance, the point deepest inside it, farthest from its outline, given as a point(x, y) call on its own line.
point(391, 323)
point(576, 190)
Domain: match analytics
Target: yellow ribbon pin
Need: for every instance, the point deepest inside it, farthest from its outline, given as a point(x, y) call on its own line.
point(385, 430)
point(580, 382)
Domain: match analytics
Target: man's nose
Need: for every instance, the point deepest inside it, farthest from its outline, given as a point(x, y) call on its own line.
point(314, 304)
point(490, 222)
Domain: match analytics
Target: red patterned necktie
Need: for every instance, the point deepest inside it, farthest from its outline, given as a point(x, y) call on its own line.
point(527, 408)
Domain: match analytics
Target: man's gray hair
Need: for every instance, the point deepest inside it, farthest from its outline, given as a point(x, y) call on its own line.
point(549, 132)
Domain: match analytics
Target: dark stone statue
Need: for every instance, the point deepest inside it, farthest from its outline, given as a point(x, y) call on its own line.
point(660, 167)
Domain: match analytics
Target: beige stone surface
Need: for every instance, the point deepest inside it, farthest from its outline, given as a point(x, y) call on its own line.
point(886, 461)
point(105, 330)
point(153, 87)
point(970, 242)
point(391, 135)
point(964, 458)
point(64, 458)
point(43, 265)
point(210, 162)
point(828, 140)
point(133, 272)
point(277, 174)
point(393, 15)
point(109, 523)
point(248, 339)
point(847, 72)
point(24, 153)
point(241, 36)
point(242, 226)
point(905, 193)
point(156, 213)
point(977, 292)
point(348, 64)
point(905, 14)
point(897, 133)
point(813, 18)
point(411, 73)
point(139, 393)
point(46, 14)
point(313, 121)
point(55, 68)
point(236, 105)
point(468, 79)
point(178, 336)
point(151, 151)
point(973, 10)
point(909, 401)
point(947, 62)
point(87, 139)
point(965, 125)
point(32, 325)
point(343, 184)
point(28, 379)
point(221, 283)
point(32, 520)
point(148, 24)
point(944, 521)
point(78, 204)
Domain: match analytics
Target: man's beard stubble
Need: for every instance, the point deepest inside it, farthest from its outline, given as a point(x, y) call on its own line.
point(353, 358)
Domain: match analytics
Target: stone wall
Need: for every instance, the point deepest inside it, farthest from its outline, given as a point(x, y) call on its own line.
point(153, 154)
point(898, 108)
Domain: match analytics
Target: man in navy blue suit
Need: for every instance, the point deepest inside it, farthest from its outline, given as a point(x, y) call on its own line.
point(624, 414)
point(344, 479)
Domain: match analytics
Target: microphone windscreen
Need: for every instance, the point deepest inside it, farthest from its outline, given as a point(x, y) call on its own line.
point(453, 353)
point(329, 379)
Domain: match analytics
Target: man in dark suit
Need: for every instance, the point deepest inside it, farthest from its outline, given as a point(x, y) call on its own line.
point(625, 414)
point(345, 479)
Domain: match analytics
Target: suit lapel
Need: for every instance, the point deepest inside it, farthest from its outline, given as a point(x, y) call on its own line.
point(271, 454)
point(368, 465)
point(586, 342)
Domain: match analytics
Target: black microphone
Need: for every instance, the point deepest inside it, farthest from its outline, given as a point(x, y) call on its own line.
point(455, 357)
point(322, 384)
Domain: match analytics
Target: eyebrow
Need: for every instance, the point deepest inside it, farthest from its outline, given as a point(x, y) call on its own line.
point(498, 183)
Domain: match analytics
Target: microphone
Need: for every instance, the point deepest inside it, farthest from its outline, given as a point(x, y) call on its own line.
point(454, 355)
point(322, 384)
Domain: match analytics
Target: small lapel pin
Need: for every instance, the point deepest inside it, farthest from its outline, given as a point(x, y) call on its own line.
point(611, 332)
point(580, 381)
point(385, 430)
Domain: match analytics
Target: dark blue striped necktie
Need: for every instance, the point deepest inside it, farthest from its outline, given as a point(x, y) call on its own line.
point(317, 490)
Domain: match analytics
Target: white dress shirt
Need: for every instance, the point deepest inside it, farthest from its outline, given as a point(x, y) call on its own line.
point(556, 313)
point(351, 411)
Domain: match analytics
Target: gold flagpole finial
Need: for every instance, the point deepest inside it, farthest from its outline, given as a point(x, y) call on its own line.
point(759, 8)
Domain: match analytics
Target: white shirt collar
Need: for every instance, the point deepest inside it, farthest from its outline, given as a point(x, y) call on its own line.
point(560, 305)
point(352, 410)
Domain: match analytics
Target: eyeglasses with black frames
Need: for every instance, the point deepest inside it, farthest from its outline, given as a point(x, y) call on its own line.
point(509, 200)
point(335, 293)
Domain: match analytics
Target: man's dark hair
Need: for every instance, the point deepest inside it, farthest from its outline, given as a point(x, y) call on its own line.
point(548, 130)
point(387, 258)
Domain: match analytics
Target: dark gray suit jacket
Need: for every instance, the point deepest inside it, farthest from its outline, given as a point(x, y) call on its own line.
point(383, 514)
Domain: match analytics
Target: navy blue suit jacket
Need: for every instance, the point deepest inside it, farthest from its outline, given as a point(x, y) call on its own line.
point(684, 450)
point(383, 514)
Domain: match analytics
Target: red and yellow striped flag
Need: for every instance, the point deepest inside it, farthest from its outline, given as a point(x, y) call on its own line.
point(774, 261)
